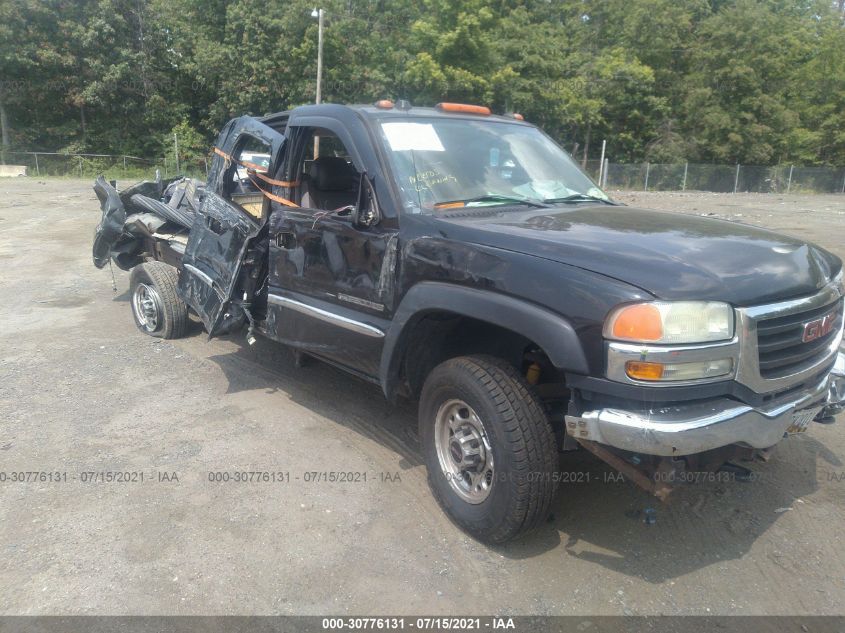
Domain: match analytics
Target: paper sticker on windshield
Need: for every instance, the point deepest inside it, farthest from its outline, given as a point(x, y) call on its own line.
point(420, 137)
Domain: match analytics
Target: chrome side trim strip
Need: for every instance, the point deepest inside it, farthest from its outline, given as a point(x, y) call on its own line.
point(202, 276)
point(328, 317)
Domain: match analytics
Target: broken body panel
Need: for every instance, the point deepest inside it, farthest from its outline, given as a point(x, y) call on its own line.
point(221, 234)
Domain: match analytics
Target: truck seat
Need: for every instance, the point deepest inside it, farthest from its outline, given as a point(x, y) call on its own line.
point(331, 184)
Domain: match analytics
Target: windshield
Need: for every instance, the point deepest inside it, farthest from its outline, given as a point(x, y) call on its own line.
point(479, 163)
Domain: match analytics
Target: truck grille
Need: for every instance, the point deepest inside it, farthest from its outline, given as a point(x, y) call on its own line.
point(781, 348)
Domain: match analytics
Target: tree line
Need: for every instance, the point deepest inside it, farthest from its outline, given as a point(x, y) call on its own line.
point(723, 81)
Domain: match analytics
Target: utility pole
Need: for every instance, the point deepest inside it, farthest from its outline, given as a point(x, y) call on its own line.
point(319, 17)
point(318, 13)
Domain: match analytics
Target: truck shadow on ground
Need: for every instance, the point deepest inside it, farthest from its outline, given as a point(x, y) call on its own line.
point(598, 515)
point(327, 391)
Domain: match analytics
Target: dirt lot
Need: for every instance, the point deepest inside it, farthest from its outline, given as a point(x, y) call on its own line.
point(82, 391)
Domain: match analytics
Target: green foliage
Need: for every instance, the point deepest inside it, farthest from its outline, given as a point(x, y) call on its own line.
point(193, 147)
point(751, 81)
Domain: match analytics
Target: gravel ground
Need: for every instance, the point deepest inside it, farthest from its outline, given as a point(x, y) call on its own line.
point(82, 391)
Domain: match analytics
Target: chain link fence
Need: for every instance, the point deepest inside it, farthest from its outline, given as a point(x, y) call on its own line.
point(718, 178)
point(112, 166)
point(614, 176)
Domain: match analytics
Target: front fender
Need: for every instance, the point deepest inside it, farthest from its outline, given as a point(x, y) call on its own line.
point(553, 333)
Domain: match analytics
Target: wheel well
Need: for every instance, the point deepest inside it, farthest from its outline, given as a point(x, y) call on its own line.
point(441, 335)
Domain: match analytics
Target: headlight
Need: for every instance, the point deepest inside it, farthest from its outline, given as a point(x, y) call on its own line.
point(671, 322)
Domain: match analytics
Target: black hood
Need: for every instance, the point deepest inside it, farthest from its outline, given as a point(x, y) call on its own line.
point(670, 255)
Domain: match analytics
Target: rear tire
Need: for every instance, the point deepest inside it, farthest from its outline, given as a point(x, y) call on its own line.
point(156, 308)
point(488, 446)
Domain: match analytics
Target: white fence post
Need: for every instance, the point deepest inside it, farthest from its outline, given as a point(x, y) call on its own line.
point(684, 183)
point(647, 167)
point(601, 161)
point(789, 182)
point(736, 178)
point(176, 151)
point(37, 171)
point(603, 184)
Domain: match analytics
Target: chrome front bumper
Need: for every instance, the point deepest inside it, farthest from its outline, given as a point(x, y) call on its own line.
point(836, 394)
point(692, 428)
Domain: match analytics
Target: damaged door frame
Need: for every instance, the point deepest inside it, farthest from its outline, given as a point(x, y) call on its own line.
point(222, 233)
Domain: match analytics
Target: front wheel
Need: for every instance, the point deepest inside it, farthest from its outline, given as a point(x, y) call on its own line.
point(489, 448)
point(156, 308)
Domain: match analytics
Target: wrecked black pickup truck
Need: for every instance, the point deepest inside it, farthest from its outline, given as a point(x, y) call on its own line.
point(462, 259)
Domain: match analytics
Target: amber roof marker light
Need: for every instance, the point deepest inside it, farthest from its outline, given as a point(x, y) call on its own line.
point(464, 108)
point(384, 104)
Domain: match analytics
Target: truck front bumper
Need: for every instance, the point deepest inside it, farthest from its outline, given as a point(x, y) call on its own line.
point(686, 429)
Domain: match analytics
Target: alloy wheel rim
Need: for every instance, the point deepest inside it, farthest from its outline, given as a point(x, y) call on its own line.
point(464, 451)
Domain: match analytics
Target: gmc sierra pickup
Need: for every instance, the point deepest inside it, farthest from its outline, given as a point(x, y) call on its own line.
point(464, 260)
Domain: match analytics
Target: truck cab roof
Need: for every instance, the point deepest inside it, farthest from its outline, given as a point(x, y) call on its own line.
point(371, 112)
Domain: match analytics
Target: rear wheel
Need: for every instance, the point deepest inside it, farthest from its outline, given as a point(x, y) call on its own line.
point(156, 308)
point(488, 446)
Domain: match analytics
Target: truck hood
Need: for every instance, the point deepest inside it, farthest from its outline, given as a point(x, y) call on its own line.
point(670, 255)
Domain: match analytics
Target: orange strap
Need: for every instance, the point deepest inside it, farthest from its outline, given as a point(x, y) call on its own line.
point(274, 197)
point(254, 168)
point(257, 169)
point(278, 183)
point(220, 152)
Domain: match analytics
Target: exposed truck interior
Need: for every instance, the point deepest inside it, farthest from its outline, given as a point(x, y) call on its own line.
point(157, 215)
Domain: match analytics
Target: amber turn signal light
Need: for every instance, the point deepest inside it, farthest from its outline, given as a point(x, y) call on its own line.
point(640, 322)
point(463, 107)
point(639, 370)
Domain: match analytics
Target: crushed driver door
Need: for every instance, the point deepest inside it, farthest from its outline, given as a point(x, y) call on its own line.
point(223, 228)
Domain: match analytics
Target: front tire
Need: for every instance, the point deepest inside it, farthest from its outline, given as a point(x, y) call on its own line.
point(489, 448)
point(156, 308)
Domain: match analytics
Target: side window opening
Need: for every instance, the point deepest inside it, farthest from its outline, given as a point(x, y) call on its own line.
point(252, 156)
point(328, 178)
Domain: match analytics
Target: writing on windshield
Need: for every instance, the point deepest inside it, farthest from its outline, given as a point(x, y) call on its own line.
point(480, 163)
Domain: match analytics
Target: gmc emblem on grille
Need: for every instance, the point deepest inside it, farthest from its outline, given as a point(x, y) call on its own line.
point(819, 327)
